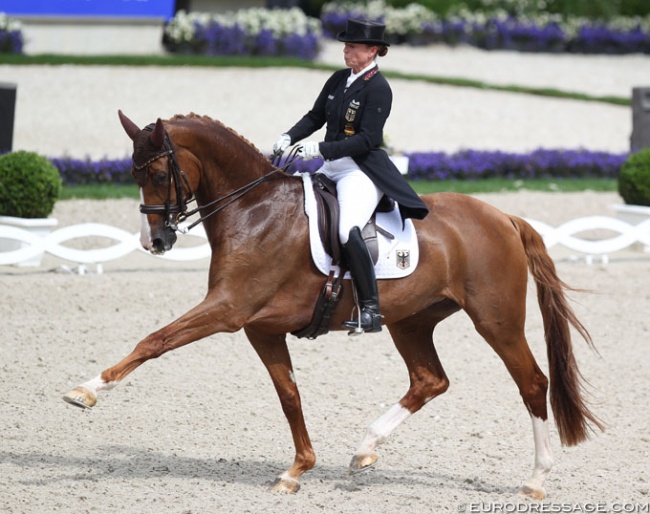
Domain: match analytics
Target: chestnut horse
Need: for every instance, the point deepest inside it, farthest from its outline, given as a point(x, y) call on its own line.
point(473, 258)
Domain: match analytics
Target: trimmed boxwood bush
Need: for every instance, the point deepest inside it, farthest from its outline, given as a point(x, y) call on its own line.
point(634, 179)
point(30, 185)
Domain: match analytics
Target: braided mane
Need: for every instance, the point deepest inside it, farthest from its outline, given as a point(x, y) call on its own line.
point(208, 120)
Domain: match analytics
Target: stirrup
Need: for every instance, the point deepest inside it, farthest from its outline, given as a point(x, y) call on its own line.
point(367, 321)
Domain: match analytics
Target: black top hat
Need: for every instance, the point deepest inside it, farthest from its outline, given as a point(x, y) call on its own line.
point(363, 31)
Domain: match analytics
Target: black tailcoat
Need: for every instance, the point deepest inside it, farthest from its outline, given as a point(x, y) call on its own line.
point(355, 124)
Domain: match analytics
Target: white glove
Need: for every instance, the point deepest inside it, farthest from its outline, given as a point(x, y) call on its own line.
point(282, 143)
point(309, 150)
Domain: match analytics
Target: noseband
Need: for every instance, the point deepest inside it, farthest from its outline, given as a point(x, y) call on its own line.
point(175, 178)
point(177, 213)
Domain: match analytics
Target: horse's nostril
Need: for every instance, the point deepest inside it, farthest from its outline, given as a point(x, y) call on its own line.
point(157, 246)
point(164, 243)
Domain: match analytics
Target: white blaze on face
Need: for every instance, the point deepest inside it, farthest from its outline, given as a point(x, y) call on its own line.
point(145, 230)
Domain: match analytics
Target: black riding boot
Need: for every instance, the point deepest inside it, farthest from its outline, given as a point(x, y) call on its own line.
point(363, 275)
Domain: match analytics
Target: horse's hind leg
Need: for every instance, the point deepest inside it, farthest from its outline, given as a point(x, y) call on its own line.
point(414, 341)
point(504, 331)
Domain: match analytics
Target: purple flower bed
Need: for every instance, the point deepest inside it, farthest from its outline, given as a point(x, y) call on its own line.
point(521, 35)
point(598, 38)
point(11, 42)
point(76, 172)
point(463, 165)
point(335, 22)
point(480, 164)
point(217, 39)
point(511, 34)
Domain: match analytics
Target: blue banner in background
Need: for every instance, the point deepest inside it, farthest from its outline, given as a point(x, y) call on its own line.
point(95, 8)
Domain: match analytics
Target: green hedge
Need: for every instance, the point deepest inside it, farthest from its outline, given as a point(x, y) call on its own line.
point(30, 185)
point(634, 179)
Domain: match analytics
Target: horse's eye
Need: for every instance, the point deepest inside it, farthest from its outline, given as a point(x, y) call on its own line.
point(159, 179)
point(139, 175)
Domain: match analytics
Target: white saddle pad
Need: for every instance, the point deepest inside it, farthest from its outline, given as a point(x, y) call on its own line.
point(397, 257)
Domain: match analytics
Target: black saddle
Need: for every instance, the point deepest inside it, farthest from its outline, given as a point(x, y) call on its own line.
point(328, 219)
point(328, 228)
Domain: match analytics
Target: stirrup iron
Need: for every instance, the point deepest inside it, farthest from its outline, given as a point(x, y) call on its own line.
point(357, 331)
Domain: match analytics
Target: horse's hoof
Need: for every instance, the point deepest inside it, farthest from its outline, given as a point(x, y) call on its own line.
point(80, 397)
point(362, 463)
point(534, 493)
point(285, 485)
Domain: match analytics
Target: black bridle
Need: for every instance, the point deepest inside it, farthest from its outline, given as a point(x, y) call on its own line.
point(175, 214)
point(175, 178)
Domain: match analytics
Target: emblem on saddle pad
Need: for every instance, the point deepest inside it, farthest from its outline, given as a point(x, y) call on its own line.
point(403, 258)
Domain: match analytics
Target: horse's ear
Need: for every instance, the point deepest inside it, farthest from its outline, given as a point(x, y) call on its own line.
point(130, 128)
point(157, 137)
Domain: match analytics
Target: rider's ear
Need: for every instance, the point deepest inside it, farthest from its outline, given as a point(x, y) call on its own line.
point(157, 137)
point(130, 128)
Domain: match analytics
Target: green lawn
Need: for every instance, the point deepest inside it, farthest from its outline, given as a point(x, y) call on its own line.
point(498, 185)
point(103, 191)
point(100, 192)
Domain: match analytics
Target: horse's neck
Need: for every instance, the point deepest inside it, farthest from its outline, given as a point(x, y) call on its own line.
point(267, 209)
point(229, 164)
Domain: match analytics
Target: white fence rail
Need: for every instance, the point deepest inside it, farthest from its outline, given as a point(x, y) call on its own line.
point(25, 247)
point(22, 247)
point(629, 235)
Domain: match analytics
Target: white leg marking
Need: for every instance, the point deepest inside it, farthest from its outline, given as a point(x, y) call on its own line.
point(97, 384)
point(382, 427)
point(145, 230)
point(543, 454)
point(285, 477)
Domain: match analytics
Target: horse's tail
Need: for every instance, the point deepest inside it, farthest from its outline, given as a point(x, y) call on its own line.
point(573, 418)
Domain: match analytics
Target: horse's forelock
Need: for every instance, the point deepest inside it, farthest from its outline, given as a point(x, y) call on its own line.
point(144, 150)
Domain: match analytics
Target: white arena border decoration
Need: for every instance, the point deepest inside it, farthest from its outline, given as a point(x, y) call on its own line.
point(34, 245)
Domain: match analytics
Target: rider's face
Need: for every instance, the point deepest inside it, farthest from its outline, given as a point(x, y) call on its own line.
point(358, 55)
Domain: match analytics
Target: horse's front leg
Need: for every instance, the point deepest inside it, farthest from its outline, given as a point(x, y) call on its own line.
point(274, 353)
point(201, 321)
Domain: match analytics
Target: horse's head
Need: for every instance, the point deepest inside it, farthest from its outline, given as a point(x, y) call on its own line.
point(164, 187)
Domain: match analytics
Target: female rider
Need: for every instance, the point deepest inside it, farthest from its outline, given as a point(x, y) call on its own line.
point(355, 103)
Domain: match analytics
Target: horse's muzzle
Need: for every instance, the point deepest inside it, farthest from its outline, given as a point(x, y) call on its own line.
point(162, 242)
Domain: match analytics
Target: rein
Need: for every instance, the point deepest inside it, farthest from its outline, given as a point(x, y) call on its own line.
point(236, 195)
point(178, 178)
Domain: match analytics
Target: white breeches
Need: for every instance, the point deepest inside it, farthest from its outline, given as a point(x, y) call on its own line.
point(357, 194)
